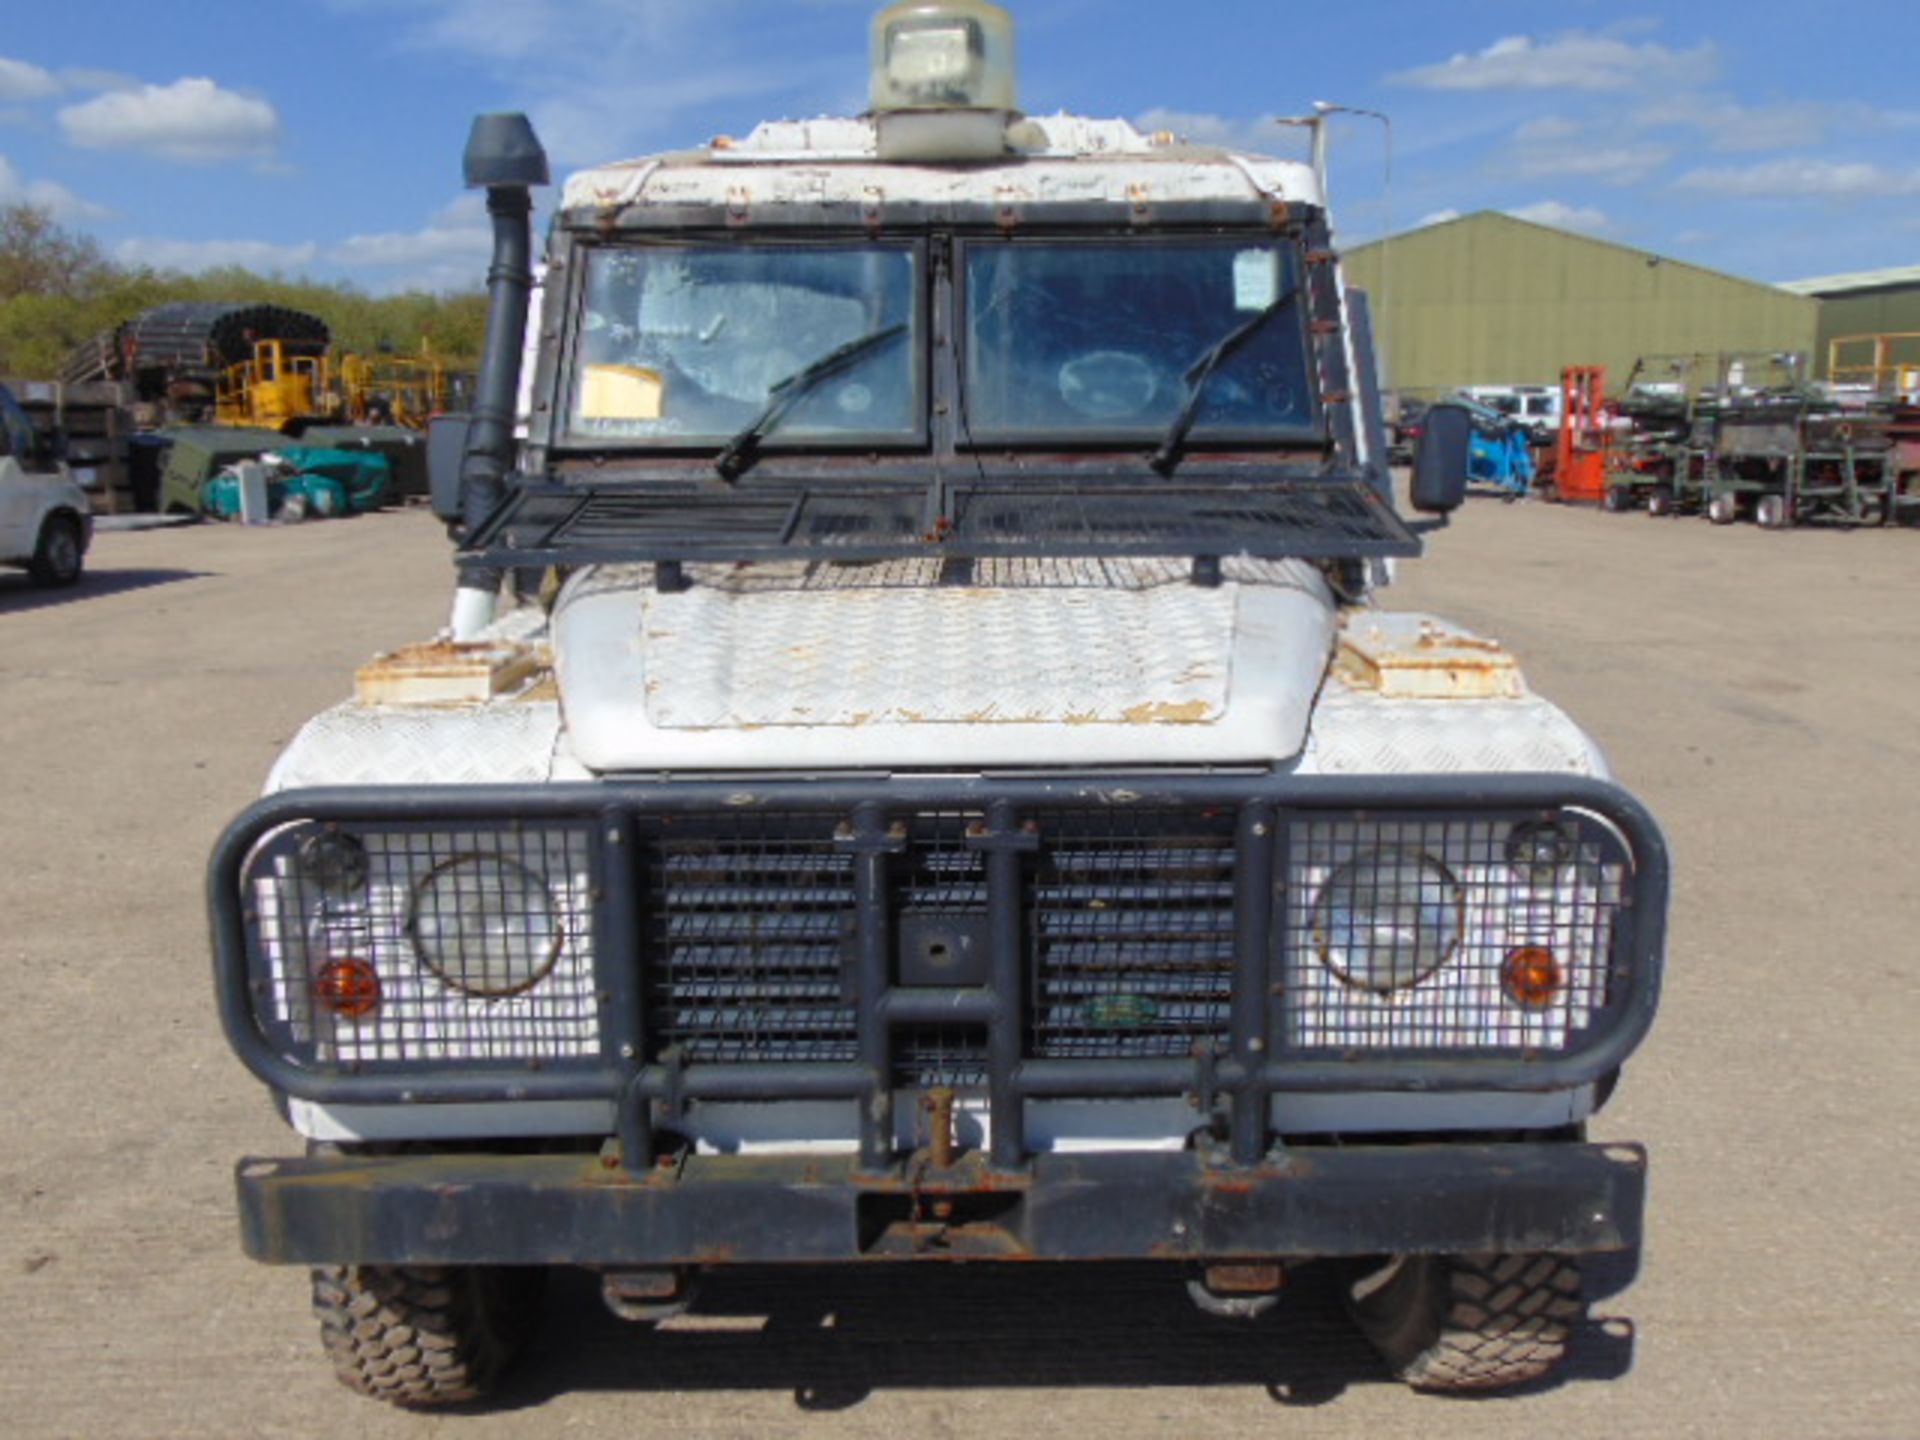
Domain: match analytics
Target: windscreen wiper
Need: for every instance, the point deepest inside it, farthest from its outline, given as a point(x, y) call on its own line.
point(737, 453)
point(1198, 373)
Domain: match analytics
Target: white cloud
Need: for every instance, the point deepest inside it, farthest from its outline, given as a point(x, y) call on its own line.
point(1259, 135)
point(1549, 130)
point(84, 78)
point(450, 252)
point(1577, 60)
point(1727, 124)
point(1554, 145)
point(20, 80)
point(1563, 216)
point(190, 120)
point(196, 255)
point(605, 78)
point(61, 203)
point(1437, 217)
point(1802, 179)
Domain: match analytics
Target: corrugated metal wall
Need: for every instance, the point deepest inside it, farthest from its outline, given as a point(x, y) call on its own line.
point(1488, 299)
point(1892, 311)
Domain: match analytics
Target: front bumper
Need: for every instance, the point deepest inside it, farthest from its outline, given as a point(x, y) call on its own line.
point(487, 1209)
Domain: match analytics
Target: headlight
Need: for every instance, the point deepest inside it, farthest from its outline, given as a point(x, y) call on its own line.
point(485, 925)
point(1387, 919)
point(401, 943)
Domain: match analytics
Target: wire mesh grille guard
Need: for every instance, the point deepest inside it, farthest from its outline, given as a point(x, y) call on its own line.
point(752, 944)
point(1053, 930)
point(749, 936)
point(1134, 932)
point(1308, 518)
point(1427, 935)
point(403, 946)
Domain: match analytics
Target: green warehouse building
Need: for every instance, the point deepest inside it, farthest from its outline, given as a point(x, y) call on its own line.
point(1853, 308)
point(1488, 300)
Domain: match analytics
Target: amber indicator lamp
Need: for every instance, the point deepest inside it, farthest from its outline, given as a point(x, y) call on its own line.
point(349, 988)
point(1531, 977)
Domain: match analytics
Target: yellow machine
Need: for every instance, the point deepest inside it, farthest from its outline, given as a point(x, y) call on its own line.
point(1883, 364)
point(273, 387)
point(393, 389)
point(279, 386)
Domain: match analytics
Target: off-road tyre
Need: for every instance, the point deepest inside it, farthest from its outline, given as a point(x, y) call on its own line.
point(1469, 1322)
point(59, 554)
point(1723, 509)
point(1660, 501)
point(1771, 512)
point(1618, 498)
point(423, 1335)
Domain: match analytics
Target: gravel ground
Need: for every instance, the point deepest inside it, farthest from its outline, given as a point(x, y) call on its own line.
point(1758, 690)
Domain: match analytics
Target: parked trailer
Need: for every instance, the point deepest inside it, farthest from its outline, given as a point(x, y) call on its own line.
point(1794, 456)
point(1883, 372)
point(1655, 461)
point(1746, 434)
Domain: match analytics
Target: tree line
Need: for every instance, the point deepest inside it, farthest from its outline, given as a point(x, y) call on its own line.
point(57, 289)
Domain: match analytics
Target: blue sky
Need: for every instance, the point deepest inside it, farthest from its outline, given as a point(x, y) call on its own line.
point(323, 137)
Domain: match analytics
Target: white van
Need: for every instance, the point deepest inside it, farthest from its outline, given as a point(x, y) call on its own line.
point(1535, 406)
point(45, 523)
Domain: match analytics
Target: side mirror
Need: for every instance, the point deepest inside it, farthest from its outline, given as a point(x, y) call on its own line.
point(446, 453)
point(1440, 460)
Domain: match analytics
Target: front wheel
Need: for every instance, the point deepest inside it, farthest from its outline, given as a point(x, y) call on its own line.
point(58, 556)
point(423, 1335)
point(1660, 500)
point(1770, 512)
point(1469, 1322)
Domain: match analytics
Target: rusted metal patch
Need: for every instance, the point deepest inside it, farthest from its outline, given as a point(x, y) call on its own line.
point(1416, 657)
point(445, 672)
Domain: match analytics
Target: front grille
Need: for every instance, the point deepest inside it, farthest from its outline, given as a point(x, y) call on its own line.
point(728, 934)
point(1129, 929)
point(1132, 920)
point(944, 888)
point(750, 935)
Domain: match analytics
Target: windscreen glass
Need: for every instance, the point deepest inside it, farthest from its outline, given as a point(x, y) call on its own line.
point(688, 345)
point(1101, 340)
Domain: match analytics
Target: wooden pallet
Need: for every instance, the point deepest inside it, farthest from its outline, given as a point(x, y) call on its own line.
point(95, 416)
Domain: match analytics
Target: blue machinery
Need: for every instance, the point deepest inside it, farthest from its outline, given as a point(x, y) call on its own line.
point(1498, 454)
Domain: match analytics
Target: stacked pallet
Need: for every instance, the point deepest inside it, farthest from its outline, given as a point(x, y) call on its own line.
point(94, 417)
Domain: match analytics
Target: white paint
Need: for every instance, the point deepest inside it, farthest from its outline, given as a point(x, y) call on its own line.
point(27, 498)
point(830, 1127)
point(837, 161)
point(1039, 663)
point(473, 611)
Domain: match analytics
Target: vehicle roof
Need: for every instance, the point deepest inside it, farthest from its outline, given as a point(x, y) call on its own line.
point(1060, 159)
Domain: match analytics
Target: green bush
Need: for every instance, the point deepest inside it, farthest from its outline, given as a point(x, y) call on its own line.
point(57, 290)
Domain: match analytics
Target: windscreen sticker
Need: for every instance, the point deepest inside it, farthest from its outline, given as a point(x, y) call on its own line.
point(622, 392)
point(1256, 279)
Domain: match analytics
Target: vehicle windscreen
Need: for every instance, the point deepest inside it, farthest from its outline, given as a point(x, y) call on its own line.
point(685, 345)
point(16, 431)
point(1094, 340)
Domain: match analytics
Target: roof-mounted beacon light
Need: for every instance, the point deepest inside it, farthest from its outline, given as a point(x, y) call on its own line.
point(942, 79)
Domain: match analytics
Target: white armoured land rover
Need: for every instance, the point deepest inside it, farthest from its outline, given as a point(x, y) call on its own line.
point(961, 803)
point(45, 520)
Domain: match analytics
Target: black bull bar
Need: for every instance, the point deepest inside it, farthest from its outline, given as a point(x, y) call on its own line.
point(1245, 1197)
point(714, 1210)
